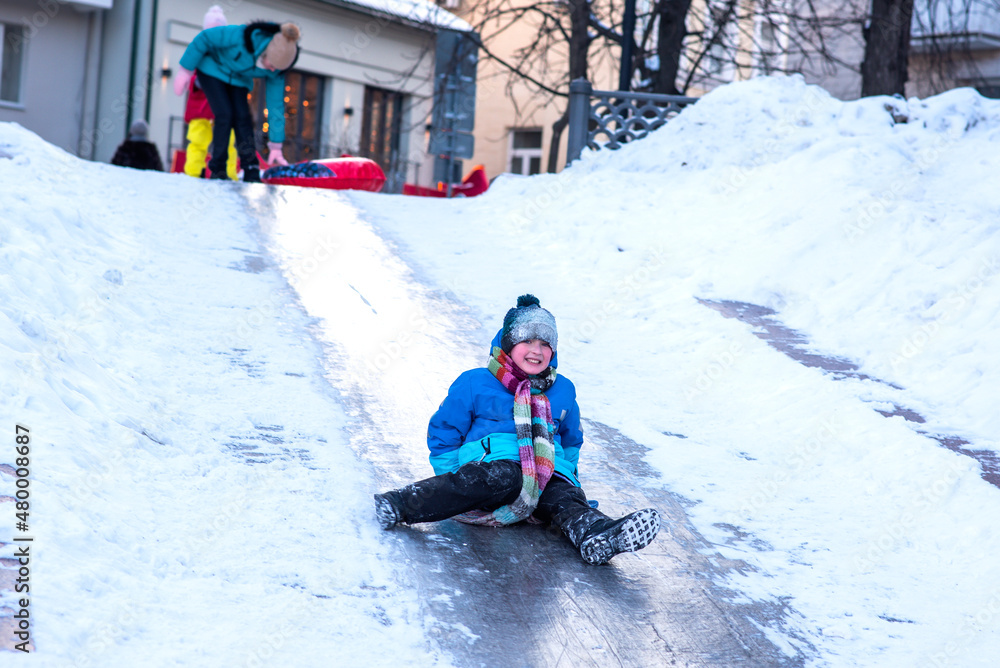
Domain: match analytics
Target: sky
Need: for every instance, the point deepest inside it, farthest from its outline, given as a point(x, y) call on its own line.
point(195, 364)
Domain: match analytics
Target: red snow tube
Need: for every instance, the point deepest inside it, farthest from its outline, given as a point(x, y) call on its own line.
point(333, 173)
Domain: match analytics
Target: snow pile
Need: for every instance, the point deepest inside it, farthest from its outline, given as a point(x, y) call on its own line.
point(192, 497)
point(870, 226)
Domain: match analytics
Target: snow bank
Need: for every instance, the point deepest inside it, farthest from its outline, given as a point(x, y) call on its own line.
point(192, 497)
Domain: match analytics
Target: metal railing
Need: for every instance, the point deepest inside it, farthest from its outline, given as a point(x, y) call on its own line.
point(620, 116)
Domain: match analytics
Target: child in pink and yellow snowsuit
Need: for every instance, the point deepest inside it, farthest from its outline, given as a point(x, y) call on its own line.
point(198, 116)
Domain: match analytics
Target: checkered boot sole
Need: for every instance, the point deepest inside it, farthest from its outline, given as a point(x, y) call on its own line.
point(633, 532)
point(385, 512)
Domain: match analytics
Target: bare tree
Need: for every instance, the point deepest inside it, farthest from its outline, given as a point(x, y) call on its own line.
point(671, 30)
point(887, 48)
point(736, 36)
point(559, 52)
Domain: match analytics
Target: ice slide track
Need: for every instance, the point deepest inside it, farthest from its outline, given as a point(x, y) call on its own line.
point(517, 596)
point(521, 596)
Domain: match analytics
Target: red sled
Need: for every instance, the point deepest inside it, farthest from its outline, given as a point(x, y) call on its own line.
point(333, 173)
point(474, 183)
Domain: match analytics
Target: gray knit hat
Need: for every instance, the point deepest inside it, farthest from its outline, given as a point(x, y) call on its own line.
point(528, 320)
point(139, 131)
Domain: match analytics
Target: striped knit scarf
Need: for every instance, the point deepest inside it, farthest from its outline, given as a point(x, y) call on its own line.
point(534, 428)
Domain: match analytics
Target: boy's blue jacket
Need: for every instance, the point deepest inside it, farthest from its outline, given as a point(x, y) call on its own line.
point(476, 422)
point(230, 53)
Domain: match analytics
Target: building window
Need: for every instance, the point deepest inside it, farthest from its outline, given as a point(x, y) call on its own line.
point(11, 62)
point(380, 127)
point(303, 115)
point(525, 152)
point(769, 46)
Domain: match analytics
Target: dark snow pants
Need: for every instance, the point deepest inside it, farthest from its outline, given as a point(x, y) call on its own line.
point(232, 112)
point(490, 485)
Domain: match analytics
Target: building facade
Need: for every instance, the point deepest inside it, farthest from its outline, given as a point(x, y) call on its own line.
point(79, 73)
point(955, 43)
point(514, 120)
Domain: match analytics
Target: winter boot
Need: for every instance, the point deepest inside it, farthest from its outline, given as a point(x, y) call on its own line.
point(388, 509)
point(607, 537)
point(251, 175)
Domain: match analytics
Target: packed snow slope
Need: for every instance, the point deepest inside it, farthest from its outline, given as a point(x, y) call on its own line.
point(192, 497)
point(189, 466)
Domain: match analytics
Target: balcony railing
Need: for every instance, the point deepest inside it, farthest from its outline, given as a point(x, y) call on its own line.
point(621, 117)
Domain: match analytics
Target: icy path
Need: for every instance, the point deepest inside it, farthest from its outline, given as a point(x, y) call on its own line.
point(517, 596)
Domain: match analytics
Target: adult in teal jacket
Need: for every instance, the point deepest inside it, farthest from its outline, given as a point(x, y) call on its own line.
point(505, 443)
point(228, 59)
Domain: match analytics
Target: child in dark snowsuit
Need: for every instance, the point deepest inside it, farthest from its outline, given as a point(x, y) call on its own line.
point(505, 443)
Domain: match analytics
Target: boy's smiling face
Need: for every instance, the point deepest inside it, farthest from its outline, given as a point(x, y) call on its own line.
point(532, 356)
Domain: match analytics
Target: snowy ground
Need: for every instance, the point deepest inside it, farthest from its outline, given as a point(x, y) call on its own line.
point(195, 490)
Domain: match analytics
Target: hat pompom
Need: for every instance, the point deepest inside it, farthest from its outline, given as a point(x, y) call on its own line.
point(290, 31)
point(528, 320)
point(528, 300)
point(214, 18)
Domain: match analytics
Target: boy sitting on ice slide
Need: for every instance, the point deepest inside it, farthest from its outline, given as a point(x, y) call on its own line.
point(505, 443)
